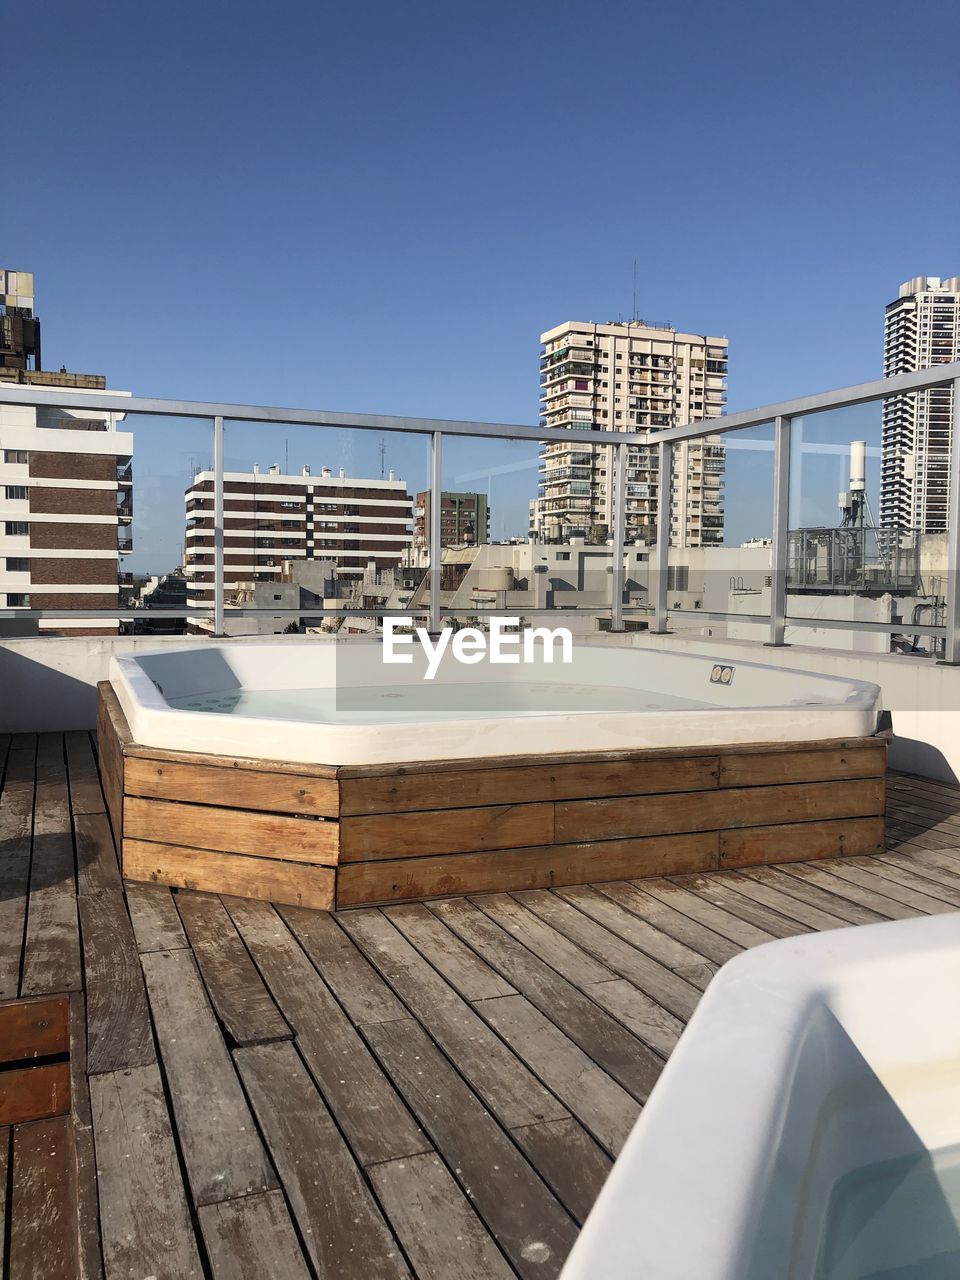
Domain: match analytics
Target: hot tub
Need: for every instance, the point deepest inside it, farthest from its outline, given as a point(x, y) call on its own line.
point(312, 772)
point(339, 703)
point(806, 1127)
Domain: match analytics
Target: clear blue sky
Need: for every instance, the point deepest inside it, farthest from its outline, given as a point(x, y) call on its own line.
point(378, 207)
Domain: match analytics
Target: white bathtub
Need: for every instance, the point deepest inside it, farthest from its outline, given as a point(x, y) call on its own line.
point(806, 1127)
point(338, 703)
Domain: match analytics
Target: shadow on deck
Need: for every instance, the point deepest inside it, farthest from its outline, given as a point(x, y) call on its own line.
point(430, 1089)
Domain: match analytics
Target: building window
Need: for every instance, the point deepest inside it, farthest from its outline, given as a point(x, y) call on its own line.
point(16, 528)
point(17, 600)
point(16, 455)
point(16, 492)
point(17, 564)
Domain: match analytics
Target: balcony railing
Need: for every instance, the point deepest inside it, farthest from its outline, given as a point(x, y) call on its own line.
point(619, 443)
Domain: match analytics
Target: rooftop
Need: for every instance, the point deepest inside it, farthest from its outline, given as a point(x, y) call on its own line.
point(429, 1089)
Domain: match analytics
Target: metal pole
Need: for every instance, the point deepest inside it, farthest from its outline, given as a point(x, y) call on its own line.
point(218, 589)
point(619, 535)
point(781, 530)
point(664, 503)
point(436, 551)
point(951, 644)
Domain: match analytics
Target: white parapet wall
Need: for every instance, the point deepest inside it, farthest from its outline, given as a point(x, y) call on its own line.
point(922, 697)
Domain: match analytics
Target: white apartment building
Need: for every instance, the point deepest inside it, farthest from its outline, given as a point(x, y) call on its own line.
point(628, 377)
point(269, 517)
point(66, 507)
point(66, 486)
point(921, 329)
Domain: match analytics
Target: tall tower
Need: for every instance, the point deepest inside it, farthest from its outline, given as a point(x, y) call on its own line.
point(629, 377)
point(921, 329)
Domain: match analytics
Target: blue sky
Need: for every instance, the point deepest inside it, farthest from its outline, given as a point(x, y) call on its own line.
point(378, 207)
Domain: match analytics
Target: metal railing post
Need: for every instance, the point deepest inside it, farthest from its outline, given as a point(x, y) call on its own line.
point(781, 530)
point(664, 505)
point(218, 587)
point(436, 551)
point(951, 644)
point(619, 535)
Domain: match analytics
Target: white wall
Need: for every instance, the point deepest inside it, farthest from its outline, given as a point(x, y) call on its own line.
point(922, 696)
point(51, 684)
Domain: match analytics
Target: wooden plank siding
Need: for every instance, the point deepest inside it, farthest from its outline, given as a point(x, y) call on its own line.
point(419, 831)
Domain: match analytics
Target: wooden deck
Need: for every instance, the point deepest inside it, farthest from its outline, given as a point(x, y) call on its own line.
point(432, 1090)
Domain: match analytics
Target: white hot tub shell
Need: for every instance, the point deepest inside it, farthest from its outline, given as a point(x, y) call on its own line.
point(812, 1068)
point(684, 705)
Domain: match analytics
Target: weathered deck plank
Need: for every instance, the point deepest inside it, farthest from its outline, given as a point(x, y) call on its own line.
point(51, 953)
point(442, 1235)
point(16, 830)
point(143, 1205)
point(339, 1220)
point(602, 1105)
point(43, 1239)
point(118, 1022)
point(606, 1041)
point(221, 1148)
point(236, 990)
point(511, 1091)
point(376, 1122)
point(527, 1222)
point(250, 1238)
point(153, 913)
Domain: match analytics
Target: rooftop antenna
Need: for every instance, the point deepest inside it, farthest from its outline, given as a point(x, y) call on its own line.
point(383, 450)
point(286, 455)
point(634, 291)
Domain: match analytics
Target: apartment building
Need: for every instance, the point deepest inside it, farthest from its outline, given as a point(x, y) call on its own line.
point(921, 329)
point(66, 487)
point(269, 518)
point(630, 376)
point(464, 519)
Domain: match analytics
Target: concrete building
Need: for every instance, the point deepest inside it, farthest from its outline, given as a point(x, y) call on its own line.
point(921, 329)
point(66, 487)
point(464, 519)
point(270, 518)
point(629, 377)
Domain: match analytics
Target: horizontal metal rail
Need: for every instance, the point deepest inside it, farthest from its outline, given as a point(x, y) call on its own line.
point(864, 393)
point(205, 613)
point(664, 440)
point(104, 401)
point(827, 624)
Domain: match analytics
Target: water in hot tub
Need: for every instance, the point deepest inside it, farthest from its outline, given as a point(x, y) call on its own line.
point(425, 701)
point(898, 1220)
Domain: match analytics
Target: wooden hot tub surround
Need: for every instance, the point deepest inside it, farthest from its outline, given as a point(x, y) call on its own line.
point(331, 836)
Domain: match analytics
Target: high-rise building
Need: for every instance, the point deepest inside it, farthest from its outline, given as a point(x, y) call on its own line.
point(66, 486)
point(629, 377)
point(921, 329)
point(269, 517)
point(464, 519)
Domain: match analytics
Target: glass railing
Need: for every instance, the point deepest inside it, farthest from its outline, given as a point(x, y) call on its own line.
point(781, 468)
